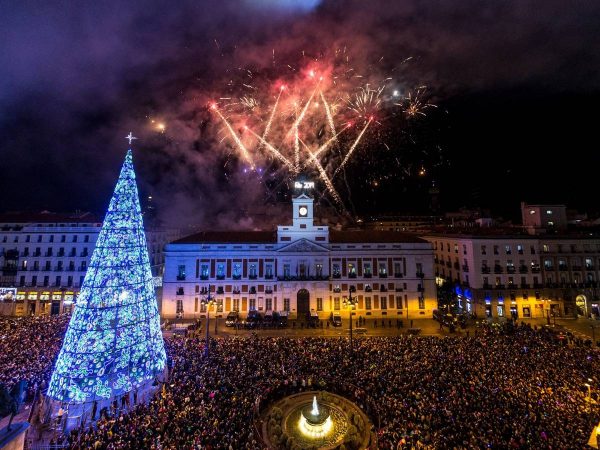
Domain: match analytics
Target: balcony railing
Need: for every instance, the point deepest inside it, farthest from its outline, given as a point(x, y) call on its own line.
point(352, 275)
point(510, 269)
point(269, 276)
point(382, 274)
point(180, 277)
point(575, 268)
point(420, 275)
point(589, 267)
point(525, 286)
point(236, 277)
point(523, 269)
point(398, 275)
point(367, 275)
point(180, 291)
point(485, 269)
point(204, 277)
point(498, 269)
point(337, 275)
point(499, 286)
point(220, 277)
point(563, 268)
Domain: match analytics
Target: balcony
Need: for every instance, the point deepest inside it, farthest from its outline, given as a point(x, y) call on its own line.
point(382, 274)
point(487, 286)
point(179, 291)
point(252, 276)
point(48, 254)
point(37, 254)
point(498, 269)
point(10, 270)
point(499, 286)
point(252, 290)
point(269, 276)
point(589, 267)
point(352, 275)
point(397, 275)
point(180, 277)
point(420, 275)
point(576, 268)
point(236, 291)
point(220, 290)
point(204, 277)
point(510, 269)
point(337, 289)
point(465, 268)
point(352, 288)
point(25, 253)
point(61, 254)
point(538, 285)
point(368, 289)
point(563, 268)
point(268, 291)
point(236, 276)
point(367, 275)
point(72, 254)
point(382, 288)
point(220, 277)
point(336, 275)
point(525, 286)
point(485, 269)
point(523, 269)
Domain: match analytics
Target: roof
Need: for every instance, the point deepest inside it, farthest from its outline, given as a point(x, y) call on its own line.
point(47, 217)
point(358, 237)
point(229, 237)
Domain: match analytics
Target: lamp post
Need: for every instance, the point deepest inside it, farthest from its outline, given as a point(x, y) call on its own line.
point(593, 327)
point(350, 302)
point(207, 301)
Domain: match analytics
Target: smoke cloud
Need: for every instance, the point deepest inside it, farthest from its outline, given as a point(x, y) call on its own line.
point(76, 77)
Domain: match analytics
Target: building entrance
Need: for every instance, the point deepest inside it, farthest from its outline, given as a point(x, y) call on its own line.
point(303, 303)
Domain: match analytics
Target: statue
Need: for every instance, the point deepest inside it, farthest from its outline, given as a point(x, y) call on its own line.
point(10, 402)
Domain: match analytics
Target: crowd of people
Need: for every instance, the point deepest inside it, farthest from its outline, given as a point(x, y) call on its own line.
point(504, 387)
point(28, 349)
point(508, 387)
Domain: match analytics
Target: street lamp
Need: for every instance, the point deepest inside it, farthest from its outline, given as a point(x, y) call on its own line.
point(207, 301)
point(350, 302)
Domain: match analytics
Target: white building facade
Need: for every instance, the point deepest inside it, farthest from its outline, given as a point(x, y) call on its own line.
point(520, 276)
point(300, 268)
point(44, 258)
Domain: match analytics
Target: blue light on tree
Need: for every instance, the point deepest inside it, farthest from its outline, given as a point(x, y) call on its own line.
point(114, 342)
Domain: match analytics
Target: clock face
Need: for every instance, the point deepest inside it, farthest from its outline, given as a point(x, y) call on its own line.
point(303, 211)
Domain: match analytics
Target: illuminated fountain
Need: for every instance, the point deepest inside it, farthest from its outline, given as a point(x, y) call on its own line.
point(315, 422)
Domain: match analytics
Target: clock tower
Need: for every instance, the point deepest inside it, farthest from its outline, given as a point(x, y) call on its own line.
point(303, 226)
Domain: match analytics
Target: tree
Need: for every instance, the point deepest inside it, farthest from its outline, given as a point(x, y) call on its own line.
point(113, 343)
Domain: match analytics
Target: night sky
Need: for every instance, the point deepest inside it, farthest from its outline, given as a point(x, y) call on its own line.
point(516, 85)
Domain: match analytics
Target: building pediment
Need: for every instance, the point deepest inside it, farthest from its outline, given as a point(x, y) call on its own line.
point(303, 246)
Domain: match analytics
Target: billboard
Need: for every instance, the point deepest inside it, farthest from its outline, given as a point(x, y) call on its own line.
point(8, 294)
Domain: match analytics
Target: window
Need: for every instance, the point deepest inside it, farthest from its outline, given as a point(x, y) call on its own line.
point(336, 303)
point(397, 269)
point(220, 271)
point(531, 212)
point(51, 238)
point(319, 304)
point(47, 265)
point(204, 272)
point(268, 304)
point(236, 304)
point(336, 270)
point(520, 249)
point(548, 264)
point(196, 305)
point(179, 307)
point(464, 249)
point(286, 271)
point(589, 264)
point(532, 249)
point(181, 272)
point(74, 238)
point(40, 238)
point(237, 270)
point(399, 302)
point(421, 303)
point(63, 238)
point(286, 304)
point(383, 302)
point(484, 249)
point(319, 270)
point(269, 271)
point(46, 280)
point(382, 269)
point(546, 248)
point(28, 238)
point(252, 304)
point(86, 238)
point(549, 212)
point(367, 269)
point(367, 303)
point(420, 268)
point(252, 271)
point(496, 250)
point(351, 270)
point(455, 248)
point(220, 305)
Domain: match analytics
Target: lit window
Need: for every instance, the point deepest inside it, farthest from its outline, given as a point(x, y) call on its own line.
point(549, 212)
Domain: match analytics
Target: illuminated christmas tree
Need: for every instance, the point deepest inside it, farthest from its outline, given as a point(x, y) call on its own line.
point(114, 343)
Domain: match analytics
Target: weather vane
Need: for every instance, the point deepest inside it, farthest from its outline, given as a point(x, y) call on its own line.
point(131, 137)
